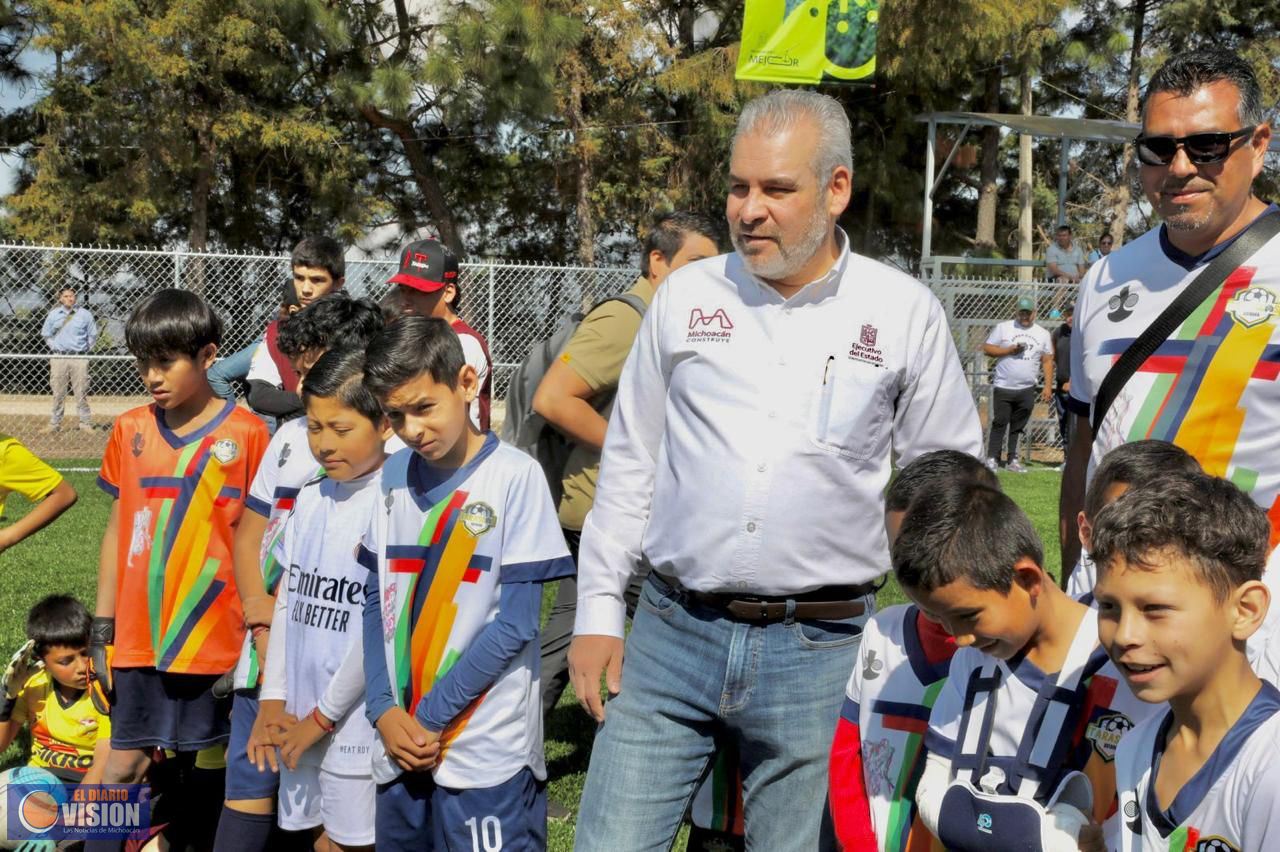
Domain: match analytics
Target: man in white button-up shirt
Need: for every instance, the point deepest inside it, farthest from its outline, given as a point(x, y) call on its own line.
point(752, 437)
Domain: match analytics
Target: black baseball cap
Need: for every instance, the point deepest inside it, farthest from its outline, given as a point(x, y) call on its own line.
point(426, 265)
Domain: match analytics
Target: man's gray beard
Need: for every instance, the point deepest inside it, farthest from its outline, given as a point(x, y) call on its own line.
point(789, 259)
point(1185, 221)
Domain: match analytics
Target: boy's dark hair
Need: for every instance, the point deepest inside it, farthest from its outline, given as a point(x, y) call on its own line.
point(171, 322)
point(1135, 464)
point(1208, 520)
point(391, 306)
point(322, 253)
point(965, 531)
point(339, 374)
point(334, 321)
point(411, 347)
point(1184, 73)
point(933, 471)
point(670, 231)
point(1064, 227)
point(58, 620)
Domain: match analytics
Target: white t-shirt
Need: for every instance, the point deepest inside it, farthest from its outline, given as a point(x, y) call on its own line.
point(490, 522)
point(314, 658)
point(1107, 710)
point(894, 687)
point(1231, 804)
point(1020, 370)
point(1212, 388)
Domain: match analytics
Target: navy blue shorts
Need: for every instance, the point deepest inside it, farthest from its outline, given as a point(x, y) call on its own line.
point(414, 814)
point(156, 709)
point(244, 781)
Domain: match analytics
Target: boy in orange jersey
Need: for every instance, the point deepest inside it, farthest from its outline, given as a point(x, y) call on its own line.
point(179, 470)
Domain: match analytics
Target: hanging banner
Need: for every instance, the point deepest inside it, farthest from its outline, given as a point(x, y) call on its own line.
point(808, 41)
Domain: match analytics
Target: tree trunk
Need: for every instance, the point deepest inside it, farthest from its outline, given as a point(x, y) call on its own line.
point(1128, 164)
point(1024, 177)
point(582, 159)
point(424, 175)
point(989, 194)
point(198, 237)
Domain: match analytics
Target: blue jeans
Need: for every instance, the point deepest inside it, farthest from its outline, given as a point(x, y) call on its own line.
point(691, 674)
point(231, 369)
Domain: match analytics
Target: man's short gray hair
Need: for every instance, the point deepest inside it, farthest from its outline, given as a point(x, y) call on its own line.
point(782, 108)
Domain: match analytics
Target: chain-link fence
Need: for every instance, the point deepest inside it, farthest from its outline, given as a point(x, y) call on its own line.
point(512, 305)
point(974, 306)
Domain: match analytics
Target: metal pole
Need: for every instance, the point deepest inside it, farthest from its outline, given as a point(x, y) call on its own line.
point(1064, 167)
point(926, 245)
point(177, 268)
point(490, 336)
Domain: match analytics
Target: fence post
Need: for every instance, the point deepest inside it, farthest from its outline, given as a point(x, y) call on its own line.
point(177, 268)
point(490, 336)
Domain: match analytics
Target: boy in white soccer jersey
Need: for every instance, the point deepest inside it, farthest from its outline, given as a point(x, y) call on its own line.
point(248, 817)
point(878, 751)
point(464, 536)
point(1022, 737)
point(314, 664)
point(1179, 593)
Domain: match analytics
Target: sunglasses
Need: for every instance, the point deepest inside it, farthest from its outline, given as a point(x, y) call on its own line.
point(1203, 149)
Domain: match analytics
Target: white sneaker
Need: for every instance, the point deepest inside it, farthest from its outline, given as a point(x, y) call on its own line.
point(1015, 466)
point(991, 464)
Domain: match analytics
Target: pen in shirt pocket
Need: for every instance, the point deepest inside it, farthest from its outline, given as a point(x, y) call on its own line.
point(826, 370)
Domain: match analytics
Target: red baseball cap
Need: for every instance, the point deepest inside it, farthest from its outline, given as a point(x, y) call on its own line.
point(426, 265)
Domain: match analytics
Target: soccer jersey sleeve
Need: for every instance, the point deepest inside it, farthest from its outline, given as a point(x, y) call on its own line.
point(850, 808)
point(22, 472)
point(109, 475)
point(1082, 390)
point(263, 488)
point(533, 546)
point(1262, 816)
point(378, 695)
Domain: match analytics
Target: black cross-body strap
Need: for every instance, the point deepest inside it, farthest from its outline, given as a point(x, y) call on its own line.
point(1207, 282)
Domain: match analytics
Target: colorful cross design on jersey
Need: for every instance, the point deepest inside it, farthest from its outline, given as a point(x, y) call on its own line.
point(181, 579)
point(913, 719)
point(1202, 373)
point(442, 560)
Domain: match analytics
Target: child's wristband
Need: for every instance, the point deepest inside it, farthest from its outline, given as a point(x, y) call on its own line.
point(325, 724)
point(259, 631)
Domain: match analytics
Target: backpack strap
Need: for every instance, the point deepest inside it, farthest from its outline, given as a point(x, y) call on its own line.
point(973, 745)
point(1192, 296)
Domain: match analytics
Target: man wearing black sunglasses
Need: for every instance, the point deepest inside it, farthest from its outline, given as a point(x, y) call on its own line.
point(1209, 387)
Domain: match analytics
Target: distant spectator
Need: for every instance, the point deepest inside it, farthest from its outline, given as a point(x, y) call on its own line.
point(70, 333)
point(427, 286)
point(22, 472)
point(1020, 348)
point(318, 268)
point(231, 371)
point(1061, 338)
point(1064, 260)
point(1104, 248)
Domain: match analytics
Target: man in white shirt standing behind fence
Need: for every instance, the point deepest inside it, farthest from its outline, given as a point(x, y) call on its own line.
point(1021, 348)
point(752, 437)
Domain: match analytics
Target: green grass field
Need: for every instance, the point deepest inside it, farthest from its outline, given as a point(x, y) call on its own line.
point(63, 558)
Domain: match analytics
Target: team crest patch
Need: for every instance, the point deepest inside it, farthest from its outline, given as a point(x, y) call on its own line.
point(1132, 819)
point(1105, 733)
point(1252, 307)
point(225, 450)
point(478, 518)
point(1216, 844)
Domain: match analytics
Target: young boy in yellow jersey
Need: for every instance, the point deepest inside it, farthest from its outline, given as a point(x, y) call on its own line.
point(46, 687)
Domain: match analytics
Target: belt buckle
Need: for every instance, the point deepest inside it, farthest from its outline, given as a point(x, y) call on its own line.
point(764, 611)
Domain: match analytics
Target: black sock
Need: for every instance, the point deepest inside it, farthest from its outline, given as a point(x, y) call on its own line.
point(242, 832)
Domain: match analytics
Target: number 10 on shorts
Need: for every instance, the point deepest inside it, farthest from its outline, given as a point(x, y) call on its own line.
point(487, 835)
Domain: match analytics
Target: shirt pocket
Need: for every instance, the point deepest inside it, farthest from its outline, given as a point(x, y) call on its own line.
point(850, 409)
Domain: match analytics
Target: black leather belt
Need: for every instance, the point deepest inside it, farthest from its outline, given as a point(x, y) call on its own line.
point(828, 603)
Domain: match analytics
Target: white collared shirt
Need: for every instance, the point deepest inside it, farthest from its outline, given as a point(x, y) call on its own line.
point(750, 441)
